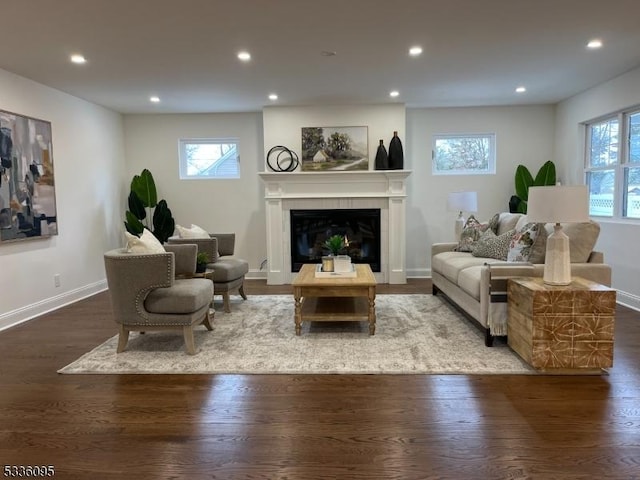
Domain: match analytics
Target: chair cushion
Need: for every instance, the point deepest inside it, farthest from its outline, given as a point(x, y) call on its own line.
point(228, 269)
point(184, 296)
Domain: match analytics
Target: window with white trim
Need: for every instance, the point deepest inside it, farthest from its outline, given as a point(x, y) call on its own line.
point(464, 154)
point(612, 165)
point(209, 158)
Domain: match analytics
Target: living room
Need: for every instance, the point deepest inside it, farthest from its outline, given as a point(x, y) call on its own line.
point(97, 150)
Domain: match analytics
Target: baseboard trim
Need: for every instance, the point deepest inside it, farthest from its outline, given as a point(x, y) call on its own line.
point(628, 300)
point(21, 315)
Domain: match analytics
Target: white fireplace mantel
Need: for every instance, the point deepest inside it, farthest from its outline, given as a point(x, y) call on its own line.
point(383, 189)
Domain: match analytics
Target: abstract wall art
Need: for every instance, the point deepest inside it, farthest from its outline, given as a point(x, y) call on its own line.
point(27, 184)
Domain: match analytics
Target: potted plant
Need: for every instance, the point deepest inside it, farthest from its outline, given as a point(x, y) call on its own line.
point(202, 259)
point(142, 199)
point(546, 176)
point(334, 244)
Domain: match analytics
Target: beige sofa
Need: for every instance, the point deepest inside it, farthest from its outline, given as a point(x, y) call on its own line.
point(477, 285)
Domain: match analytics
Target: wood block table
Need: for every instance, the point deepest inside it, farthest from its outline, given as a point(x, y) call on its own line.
point(563, 329)
point(335, 299)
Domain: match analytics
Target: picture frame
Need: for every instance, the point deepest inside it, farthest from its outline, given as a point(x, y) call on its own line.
point(334, 148)
point(27, 180)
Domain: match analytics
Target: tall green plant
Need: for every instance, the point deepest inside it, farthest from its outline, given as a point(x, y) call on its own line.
point(546, 176)
point(145, 211)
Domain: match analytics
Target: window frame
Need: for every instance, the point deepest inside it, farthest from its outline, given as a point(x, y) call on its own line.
point(620, 167)
point(182, 157)
point(491, 167)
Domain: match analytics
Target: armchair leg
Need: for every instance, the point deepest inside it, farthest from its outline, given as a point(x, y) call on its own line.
point(241, 291)
point(123, 338)
point(225, 302)
point(207, 320)
point(188, 340)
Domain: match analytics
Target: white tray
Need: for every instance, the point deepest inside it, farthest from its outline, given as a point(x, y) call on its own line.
point(321, 274)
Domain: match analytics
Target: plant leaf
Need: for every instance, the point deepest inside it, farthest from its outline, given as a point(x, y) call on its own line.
point(145, 188)
point(136, 207)
point(163, 222)
point(133, 225)
point(522, 207)
point(523, 181)
point(546, 175)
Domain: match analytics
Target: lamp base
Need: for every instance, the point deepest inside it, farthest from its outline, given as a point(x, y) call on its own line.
point(459, 226)
point(557, 263)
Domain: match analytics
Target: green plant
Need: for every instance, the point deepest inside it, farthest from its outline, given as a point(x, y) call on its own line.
point(202, 258)
point(335, 243)
point(546, 176)
point(142, 199)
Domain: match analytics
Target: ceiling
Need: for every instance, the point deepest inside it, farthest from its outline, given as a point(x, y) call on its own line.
point(475, 52)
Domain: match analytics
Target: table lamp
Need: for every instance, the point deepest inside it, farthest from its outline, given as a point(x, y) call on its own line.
point(462, 202)
point(566, 203)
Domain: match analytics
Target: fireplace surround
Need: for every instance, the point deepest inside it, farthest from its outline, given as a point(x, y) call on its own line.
point(372, 189)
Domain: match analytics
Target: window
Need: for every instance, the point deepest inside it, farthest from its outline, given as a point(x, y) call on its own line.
point(612, 165)
point(468, 154)
point(209, 158)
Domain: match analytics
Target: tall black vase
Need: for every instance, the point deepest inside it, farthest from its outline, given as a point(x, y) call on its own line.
point(382, 159)
point(396, 155)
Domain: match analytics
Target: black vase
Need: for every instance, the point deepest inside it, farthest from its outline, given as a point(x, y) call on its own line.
point(396, 155)
point(382, 159)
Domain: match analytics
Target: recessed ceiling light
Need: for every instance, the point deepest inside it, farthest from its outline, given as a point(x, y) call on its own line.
point(328, 53)
point(415, 51)
point(154, 99)
point(595, 43)
point(273, 96)
point(244, 56)
point(77, 58)
point(394, 93)
point(521, 89)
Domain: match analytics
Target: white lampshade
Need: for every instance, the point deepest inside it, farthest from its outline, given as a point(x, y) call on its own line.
point(569, 204)
point(462, 202)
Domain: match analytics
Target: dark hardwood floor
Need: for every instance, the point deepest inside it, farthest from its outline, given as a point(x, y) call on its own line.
point(308, 426)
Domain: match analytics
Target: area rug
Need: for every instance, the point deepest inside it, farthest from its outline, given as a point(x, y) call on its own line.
point(415, 334)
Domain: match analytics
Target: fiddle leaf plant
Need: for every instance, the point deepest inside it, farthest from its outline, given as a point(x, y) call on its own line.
point(546, 176)
point(335, 243)
point(143, 198)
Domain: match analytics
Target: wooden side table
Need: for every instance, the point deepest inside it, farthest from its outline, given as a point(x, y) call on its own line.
point(561, 328)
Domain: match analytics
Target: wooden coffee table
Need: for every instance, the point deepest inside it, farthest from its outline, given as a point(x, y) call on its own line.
point(335, 299)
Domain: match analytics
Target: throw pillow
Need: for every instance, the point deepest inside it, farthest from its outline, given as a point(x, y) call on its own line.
point(521, 245)
point(194, 232)
point(491, 245)
point(470, 234)
point(494, 222)
point(146, 243)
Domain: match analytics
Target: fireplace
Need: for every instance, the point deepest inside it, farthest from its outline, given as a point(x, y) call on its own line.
point(310, 229)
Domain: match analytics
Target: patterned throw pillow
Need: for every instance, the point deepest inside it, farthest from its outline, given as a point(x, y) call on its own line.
point(493, 223)
point(491, 245)
point(522, 244)
point(470, 234)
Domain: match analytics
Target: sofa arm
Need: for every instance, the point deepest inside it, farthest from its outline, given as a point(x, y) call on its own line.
point(596, 272)
point(437, 248)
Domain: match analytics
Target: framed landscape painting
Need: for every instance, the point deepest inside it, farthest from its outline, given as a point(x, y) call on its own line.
point(334, 148)
point(27, 184)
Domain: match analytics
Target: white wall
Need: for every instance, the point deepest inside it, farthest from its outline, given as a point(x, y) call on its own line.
point(88, 161)
point(618, 239)
point(524, 135)
point(230, 205)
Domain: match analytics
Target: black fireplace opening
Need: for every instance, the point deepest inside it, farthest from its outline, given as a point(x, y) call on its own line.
point(310, 229)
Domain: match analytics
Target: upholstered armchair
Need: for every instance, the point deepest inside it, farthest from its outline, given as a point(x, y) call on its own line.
point(228, 271)
point(146, 295)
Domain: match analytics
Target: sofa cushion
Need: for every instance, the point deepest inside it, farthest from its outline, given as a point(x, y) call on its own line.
point(470, 234)
point(507, 222)
point(582, 238)
point(493, 246)
point(450, 264)
point(469, 280)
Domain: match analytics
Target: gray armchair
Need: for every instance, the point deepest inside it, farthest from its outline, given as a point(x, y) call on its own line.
point(146, 295)
point(228, 271)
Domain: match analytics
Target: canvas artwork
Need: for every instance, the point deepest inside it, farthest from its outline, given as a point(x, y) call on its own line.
point(334, 148)
point(27, 187)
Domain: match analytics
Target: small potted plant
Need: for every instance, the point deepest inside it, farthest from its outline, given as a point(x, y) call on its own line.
point(201, 262)
point(334, 243)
